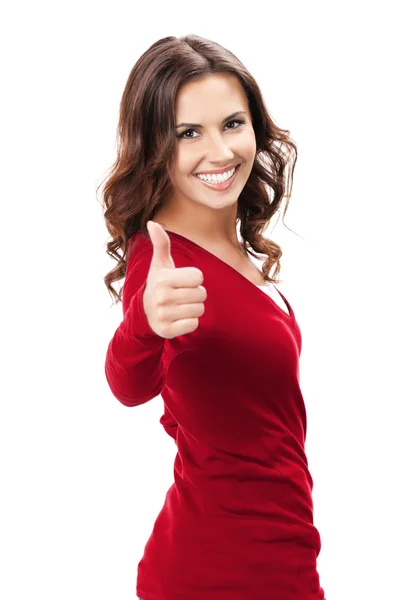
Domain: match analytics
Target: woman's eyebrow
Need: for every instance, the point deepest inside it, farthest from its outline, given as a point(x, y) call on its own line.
point(239, 112)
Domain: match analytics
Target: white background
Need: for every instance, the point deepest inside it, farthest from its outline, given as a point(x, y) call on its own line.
point(82, 476)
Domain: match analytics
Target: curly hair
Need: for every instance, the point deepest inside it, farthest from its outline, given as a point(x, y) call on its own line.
point(139, 182)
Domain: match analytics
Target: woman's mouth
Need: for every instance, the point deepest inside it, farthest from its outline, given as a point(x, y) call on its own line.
point(220, 186)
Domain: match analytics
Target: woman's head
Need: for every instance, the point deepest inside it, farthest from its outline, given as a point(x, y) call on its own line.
point(214, 131)
point(192, 78)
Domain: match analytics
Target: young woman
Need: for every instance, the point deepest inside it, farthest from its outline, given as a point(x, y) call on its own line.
point(208, 330)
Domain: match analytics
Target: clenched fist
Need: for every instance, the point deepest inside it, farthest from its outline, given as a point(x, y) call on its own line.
point(173, 299)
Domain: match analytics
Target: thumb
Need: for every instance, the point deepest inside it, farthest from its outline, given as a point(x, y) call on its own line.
point(162, 246)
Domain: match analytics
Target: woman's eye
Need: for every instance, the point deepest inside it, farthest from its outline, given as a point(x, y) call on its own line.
point(182, 135)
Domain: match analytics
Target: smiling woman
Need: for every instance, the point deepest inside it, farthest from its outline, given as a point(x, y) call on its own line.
point(199, 153)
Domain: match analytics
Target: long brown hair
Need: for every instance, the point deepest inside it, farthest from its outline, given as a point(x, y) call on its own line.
point(138, 182)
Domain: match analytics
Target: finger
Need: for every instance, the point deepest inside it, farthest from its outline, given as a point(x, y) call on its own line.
point(161, 256)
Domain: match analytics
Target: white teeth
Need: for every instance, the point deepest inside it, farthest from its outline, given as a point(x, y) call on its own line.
point(217, 178)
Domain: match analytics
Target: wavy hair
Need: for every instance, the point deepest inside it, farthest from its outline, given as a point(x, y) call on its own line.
point(139, 180)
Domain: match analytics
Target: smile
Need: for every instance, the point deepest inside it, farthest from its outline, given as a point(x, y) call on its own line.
point(213, 182)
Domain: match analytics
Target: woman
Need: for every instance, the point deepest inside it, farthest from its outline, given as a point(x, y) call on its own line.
point(208, 330)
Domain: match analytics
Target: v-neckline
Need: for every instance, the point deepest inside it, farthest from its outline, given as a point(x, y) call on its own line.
point(290, 316)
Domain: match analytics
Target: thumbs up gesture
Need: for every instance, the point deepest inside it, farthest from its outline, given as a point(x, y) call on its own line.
point(173, 298)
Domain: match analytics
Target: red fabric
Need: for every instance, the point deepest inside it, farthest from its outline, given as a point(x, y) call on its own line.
point(237, 523)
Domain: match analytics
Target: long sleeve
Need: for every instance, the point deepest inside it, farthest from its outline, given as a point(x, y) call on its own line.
point(134, 365)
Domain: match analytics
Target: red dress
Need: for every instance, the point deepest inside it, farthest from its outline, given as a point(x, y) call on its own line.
point(237, 523)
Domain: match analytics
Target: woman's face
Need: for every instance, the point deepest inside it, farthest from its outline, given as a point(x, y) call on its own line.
point(218, 143)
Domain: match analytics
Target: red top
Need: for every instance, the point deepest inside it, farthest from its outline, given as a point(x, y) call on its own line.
point(237, 523)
